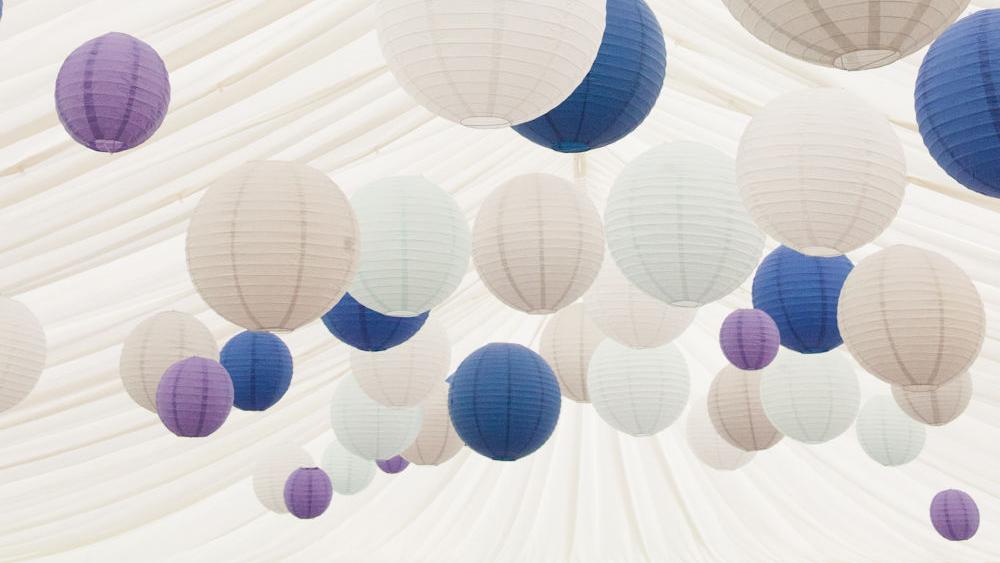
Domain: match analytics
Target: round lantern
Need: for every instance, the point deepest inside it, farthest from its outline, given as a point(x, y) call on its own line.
point(370, 429)
point(272, 245)
point(706, 443)
point(403, 376)
point(938, 406)
point(392, 465)
point(112, 93)
point(749, 339)
point(537, 243)
point(677, 228)
point(491, 63)
point(358, 326)
point(272, 472)
point(811, 398)
point(888, 435)
point(194, 397)
point(261, 368)
point(437, 441)
point(638, 392)
point(308, 492)
point(504, 401)
point(800, 293)
point(737, 413)
point(955, 515)
point(911, 317)
point(22, 352)
point(349, 473)
point(567, 343)
point(619, 91)
point(821, 171)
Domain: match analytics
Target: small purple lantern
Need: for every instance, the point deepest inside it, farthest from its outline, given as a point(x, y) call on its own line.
point(749, 339)
point(194, 397)
point(955, 515)
point(308, 492)
point(392, 465)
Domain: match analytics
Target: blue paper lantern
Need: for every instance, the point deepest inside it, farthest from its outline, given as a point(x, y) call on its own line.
point(504, 401)
point(619, 91)
point(800, 293)
point(369, 330)
point(261, 368)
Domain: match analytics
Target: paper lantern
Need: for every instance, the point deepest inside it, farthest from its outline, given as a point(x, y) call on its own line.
point(706, 443)
point(800, 293)
point(619, 91)
point(437, 441)
point(628, 316)
point(736, 411)
point(938, 406)
point(403, 376)
point(677, 228)
point(490, 63)
point(567, 343)
point(308, 492)
point(348, 473)
point(955, 515)
point(112, 93)
point(415, 245)
point(638, 392)
point(358, 326)
point(537, 243)
point(749, 339)
point(912, 318)
point(392, 465)
point(821, 171)
point(261, 368)
point(22, 352)
point(811, 398)
point(194, 397)
point(370, 429)
point(504, 401)
point(272, 472)
point(272, 245)
point(888, 435)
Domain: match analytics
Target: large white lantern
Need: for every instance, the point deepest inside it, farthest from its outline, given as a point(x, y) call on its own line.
point(22, 352)
point(272, 472)
point(415, 246)
point(404, 375)
point(369, 429)
point(156, 344)
point(706, 443)
point(272, 245)
point(437, 441)
point(887, 434)
point(938, 406)
point(737, 413)
point(677, 228)
point(537, 243)
point(821, 171)
point(567, 343)
point(911, 317)
point(490, 63)
point(349, 474)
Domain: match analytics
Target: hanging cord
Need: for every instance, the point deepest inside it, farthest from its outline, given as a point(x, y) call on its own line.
point(580, 171)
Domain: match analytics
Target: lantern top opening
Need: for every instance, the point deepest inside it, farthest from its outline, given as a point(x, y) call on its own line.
point(864, 59)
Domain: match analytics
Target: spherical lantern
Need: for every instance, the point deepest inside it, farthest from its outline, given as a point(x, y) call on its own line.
point(272, 472)
point(749, 339)
point(308, 492)
point(638, 392)
point(800, 293)
point(938, 406)
point(736, 411)
point(537, 243)
point(22, 352)
point(504, 401)
point(437, 441)
point(349, 473)
point(811, 398)
point(368, 330)
point(370, 429)
point(403, 376)
point(112, 93)
point(677, 228)
point(392, 465)
point(706, 443)
point(261, 368)
point(415, 246)
point(619, 91)
point(912, 318)
point(491, 63)
point(888, 435)
point(821, 171)
point(567, 343)
point(194, 397)
point(272, 245)
point(955, 515)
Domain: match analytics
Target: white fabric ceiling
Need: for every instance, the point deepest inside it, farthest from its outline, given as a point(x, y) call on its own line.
point(93, 244)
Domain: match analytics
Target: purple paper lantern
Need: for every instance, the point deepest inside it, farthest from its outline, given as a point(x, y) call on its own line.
point(392, 465)
point(194, 397)
point(749, 339)
point(308, 492)
point(955, 515)
point(112, 93)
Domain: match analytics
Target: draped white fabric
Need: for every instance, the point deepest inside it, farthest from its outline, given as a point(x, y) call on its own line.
point(95, 243)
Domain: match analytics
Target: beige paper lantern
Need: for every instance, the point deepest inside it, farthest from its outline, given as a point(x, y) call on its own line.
point(369, 429)
point(272, 245)
point(538, 243)
point(706, 443)
point(911, 317)
point(404, 375)
point(437, 441)
point(349, 474)
point(567, 344)
point(939, 406)
point(22, 352)
point(887, 434)
point(272, 472)
point(737, 413)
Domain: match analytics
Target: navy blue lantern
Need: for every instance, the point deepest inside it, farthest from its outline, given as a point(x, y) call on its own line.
point(261, 368)
point(369, 330)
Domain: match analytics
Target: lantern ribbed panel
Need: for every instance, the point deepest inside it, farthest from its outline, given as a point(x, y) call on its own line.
point(567, 343)
point(677, 228)
point(369, 429)
point(639, 392)
point(706, 443)
point(415, 246)
point(403, 376)
point(260, 366)
point(349, 473)
point(537, 243)
point(887, 434)
point(911, 317)
point(437, 441)
point(22, 352)
point(490, 63)
point(354, 324)
point(749, 339)
point(846, 34)
point(194, 397)
point(938, 406)
point(308, 492)
point(272, 245)
point(955, 515)
point(272, 472)
point(392, 465)
point(736, 411)
point(821, 171)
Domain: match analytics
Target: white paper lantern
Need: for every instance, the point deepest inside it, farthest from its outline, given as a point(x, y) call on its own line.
point(404, 375)
point(911, 317)
point(272, 245)
point(567, 344)
point(537, 243)
point(490, 63)
point(349, 474)
point(369, 429)
point(677, 228)
point(812, 398)
point(939, 406)
point(821, 171)
point(272, 472)
point(156, 344)
point(437, 441)
point(706, 443)
point(887, 434)
point(736, 411)
point(22, 352)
